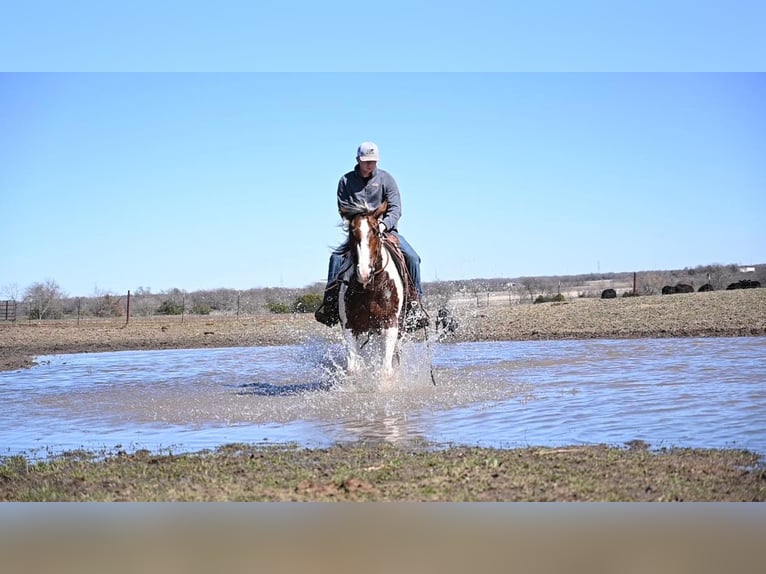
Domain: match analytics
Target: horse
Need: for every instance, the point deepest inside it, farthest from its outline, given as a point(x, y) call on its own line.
point(372, 295)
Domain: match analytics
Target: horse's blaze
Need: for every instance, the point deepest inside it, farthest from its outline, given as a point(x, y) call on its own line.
point(364, 255)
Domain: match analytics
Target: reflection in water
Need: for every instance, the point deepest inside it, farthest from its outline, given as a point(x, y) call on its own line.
point(669, 392)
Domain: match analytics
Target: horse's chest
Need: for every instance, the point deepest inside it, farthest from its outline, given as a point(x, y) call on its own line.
point(373, 308)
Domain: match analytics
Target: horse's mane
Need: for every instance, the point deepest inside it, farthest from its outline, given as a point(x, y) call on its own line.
point(351, 210)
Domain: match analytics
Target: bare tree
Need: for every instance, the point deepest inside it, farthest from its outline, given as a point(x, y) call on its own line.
point(649, 283)
point(10, 291)
point(44, 300)
point(104, 303)
point(716, 276)
point(529, 286)
point(535, 286)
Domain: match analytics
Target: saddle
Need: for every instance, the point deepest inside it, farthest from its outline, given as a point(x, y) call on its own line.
point(391, 242)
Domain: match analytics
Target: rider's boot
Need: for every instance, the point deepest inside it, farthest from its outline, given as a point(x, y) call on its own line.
point(328, 310)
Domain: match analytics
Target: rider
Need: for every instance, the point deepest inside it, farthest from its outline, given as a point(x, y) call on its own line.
point(366, 183)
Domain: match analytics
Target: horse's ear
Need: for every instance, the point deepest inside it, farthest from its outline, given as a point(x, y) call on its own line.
point(381, 209)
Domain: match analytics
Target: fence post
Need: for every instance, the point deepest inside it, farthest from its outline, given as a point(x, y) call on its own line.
point(127, 309)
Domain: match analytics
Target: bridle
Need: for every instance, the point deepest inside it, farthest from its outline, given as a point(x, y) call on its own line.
point(382, 255)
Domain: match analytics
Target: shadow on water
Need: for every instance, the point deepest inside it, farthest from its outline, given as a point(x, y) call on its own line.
point(671, 392)
point(271, 390)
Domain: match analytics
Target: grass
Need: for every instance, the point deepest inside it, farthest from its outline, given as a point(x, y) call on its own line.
point(363, 472)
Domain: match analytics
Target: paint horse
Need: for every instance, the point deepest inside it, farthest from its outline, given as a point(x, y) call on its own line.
point(372, 294)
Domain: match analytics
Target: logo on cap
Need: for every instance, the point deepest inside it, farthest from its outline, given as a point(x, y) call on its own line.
point(368, 151)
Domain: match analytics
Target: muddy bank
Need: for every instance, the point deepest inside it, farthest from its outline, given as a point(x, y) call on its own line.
point(384, 472)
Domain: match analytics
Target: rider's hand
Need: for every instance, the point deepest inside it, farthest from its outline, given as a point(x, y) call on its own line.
point(382, 227)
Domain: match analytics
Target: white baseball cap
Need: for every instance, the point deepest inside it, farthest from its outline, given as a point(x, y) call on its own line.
point(367, 151)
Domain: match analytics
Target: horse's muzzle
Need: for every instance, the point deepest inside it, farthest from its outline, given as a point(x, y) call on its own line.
point(364, 275)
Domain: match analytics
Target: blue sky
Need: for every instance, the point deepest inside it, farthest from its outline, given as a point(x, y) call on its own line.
point(391, 35)
point(203, 180)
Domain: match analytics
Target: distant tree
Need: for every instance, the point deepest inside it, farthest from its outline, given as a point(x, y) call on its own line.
point(44, 300)
point(104, 304)
point(215, 300)
point(557, 298)
point(649, 283)
point(169, 307)
point(307, 303)
point(143, 303)
point(10, 291)
point(716, 275)
point(200, 309)
point(173, 303)
point(279, 307)
point(533, 286)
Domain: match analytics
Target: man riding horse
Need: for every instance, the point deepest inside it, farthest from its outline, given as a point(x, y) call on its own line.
point(368, 185)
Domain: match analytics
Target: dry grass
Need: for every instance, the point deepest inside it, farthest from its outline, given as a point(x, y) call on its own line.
point(721, 313)
point(363, 472)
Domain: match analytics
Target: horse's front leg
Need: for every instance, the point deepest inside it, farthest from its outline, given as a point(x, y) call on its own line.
point(353, 351)
point(390, 340)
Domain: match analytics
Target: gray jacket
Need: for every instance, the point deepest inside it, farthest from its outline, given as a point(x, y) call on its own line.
point(354, 191)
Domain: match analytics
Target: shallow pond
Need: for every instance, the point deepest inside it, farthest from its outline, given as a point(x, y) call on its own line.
point(695, 392)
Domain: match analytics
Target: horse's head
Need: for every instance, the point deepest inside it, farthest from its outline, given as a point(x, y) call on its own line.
point(364, 241)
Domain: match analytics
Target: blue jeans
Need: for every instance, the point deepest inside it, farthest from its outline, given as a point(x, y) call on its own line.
point(411, 258)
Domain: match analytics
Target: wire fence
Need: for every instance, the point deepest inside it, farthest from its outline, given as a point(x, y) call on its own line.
point(8, 311)
point(178, 305)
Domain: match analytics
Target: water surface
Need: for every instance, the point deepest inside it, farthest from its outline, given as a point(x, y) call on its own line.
point(696, 392)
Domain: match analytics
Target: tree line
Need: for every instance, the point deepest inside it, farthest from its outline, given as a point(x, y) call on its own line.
point(46, 300)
